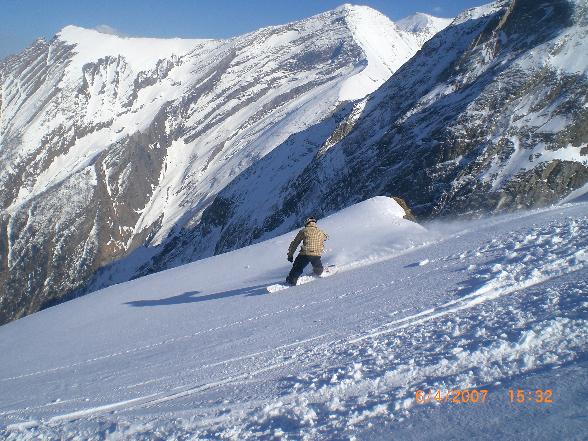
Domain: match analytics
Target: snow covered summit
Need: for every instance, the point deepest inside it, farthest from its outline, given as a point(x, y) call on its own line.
point(423, 26)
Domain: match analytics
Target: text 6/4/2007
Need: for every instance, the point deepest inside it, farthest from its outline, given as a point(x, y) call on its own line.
point(516, 396)
point(451, 396)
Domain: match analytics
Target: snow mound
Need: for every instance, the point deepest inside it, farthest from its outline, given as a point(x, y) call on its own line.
point(368, 232)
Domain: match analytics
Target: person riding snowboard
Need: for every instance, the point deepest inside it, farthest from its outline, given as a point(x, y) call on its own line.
point(312, 239)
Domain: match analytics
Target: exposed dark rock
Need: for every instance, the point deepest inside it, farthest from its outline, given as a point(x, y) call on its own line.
point(406, 209)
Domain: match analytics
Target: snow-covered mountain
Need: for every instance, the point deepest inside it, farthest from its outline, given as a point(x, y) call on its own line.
point(488, 116)
point(204, 352)
point(110, 143)
point(423, 25)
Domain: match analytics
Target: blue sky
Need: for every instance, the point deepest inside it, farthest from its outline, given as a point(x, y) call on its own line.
point(25, 20)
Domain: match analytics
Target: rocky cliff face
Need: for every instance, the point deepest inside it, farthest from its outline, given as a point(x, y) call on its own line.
point(489, 116)
point(111, 147)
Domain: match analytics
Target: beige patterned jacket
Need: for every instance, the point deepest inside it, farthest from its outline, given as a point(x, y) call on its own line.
point(312, 239)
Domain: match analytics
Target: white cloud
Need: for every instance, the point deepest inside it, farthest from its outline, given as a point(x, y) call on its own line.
point(106, 29)
point(437, 9)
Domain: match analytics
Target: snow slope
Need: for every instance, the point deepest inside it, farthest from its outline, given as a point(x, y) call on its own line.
point(203, 352)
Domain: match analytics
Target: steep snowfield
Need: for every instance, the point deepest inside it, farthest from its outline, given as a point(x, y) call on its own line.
point(202, 351)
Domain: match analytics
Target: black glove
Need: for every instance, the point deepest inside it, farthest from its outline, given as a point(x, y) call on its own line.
point(290, 258)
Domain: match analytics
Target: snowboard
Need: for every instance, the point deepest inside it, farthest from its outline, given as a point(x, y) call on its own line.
point(328, 271)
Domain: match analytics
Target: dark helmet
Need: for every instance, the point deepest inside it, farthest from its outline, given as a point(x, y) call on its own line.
point(309, 220)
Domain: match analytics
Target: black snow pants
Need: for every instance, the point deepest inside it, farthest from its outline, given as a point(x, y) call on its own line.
point(300, 263)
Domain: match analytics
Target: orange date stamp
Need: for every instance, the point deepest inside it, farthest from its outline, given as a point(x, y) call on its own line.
point(474, 396)
point(451, 396)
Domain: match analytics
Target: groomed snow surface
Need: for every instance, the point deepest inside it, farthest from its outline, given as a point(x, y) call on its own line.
point(204, 352)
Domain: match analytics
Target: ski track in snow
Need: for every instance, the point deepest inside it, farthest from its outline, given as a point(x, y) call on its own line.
point(520, 308)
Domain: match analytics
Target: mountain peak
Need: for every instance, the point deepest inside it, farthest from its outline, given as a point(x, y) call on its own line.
point(420, 22)
point(358, 9)
point(384, 46)
point(74, 30)
point(351, 7)
point(344, 7)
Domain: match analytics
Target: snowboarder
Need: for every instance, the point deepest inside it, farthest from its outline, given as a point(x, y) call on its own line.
point(312, 239)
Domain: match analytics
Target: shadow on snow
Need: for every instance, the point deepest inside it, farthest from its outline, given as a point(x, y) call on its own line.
point(193, 297)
